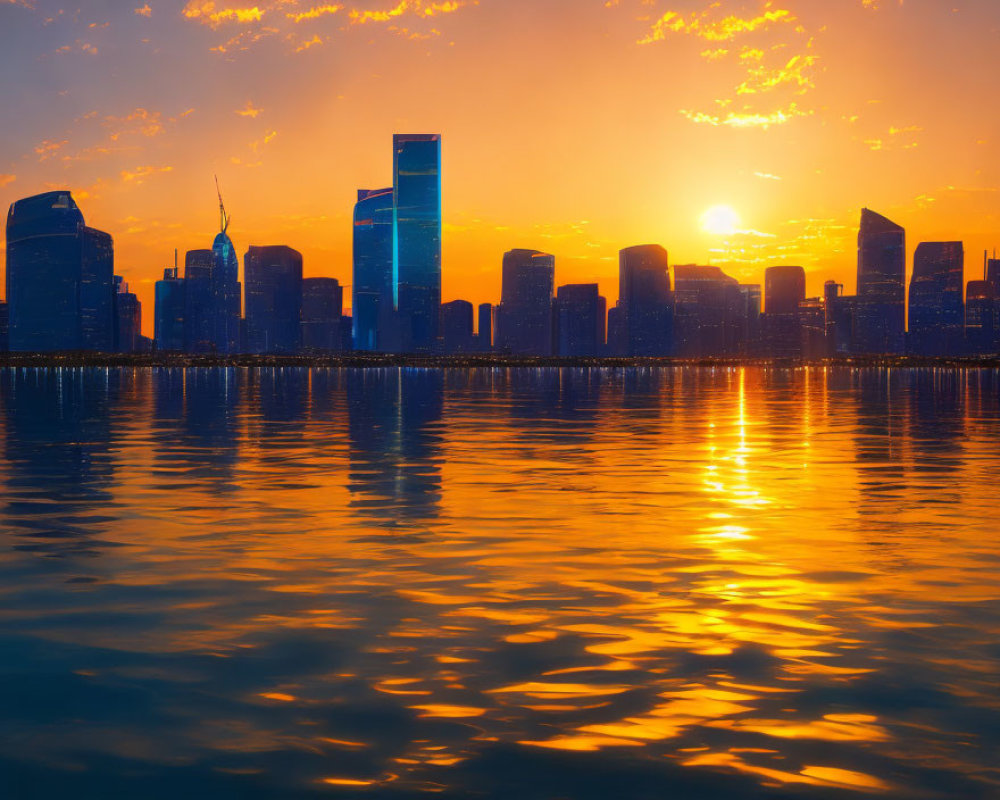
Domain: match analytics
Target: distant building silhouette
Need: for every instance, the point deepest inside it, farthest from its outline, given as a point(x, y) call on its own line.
point(880, 315)
point(838, 313)
point(749, 319)
point(4, 327)
point(981, 329)
point(524, 318)
point(484, 337)
point(813, 343)
point(59, 277)
point(168, 312)
point(373, 284)
point(645, 301)
point(784, 292)
point(456, 326)
point(128, 319)
point(273, 279)
point(707, 307)
point(417, 221)
point(322, 315)
point(580, 320)
point(937, 310)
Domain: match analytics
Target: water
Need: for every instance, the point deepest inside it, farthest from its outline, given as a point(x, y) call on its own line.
point(689, 582)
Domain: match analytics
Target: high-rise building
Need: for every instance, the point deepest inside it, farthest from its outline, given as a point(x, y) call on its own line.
point(645, 301)
point(199, 302)
point(272, 276)
point(838, 313)
point(485, 336)
point(707, 321)
point(937, 309)
point(580, 320)
point(981, 330)
point(417, 223)
point(168, 312)
point(372, 285)
point(59, 277)
point(524, 322)
point(812, 328)
point(784, 292)
point(456, 326)
point(128, 319)
point(748, 319)
point(225, 289)
point(4, 327)
point(322, 313)
point(880, 314)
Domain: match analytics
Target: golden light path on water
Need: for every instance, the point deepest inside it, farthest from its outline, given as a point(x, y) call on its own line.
point(744, 582)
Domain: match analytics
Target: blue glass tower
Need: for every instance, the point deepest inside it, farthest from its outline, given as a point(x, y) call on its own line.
point(880, 319)
point(59, 277)
point(226, 293)
point(372, 300)
point(199, 320)
point(417, 223)
point(168, 313)
point(273, 277)
point(937, 306)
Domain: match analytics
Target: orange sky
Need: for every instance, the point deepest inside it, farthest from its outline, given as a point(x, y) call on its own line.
point(572, 126)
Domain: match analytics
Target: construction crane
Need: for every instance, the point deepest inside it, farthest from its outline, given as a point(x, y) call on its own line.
point(223, 217)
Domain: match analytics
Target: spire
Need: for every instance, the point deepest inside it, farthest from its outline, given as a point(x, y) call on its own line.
point(223, 218)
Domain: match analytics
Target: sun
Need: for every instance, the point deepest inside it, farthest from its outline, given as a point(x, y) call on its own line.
point(720, 221)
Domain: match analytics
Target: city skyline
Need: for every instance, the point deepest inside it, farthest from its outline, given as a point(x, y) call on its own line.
point(619, 150)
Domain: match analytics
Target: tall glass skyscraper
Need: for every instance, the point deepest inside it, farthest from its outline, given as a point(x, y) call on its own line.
point(225, 293)
point(417, 223)
point(645, 301)
point(59, 277)
point(880, 318)
point(168, 312)
point(199, 304)
point(273, 279)
point(937, 307)
point(524, 317)
point(372, 297)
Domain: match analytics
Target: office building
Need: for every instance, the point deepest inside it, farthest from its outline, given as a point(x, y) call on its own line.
point(322, 316)
point(59, 277)
point(524, 317)
point(128, 319)
point(168, 312)
point(484, 337)
point(580, 320)
point(456, 327)
point(417, 226)
point(645, 301)
point(372, 291)
point(784, 292)
point(936, 305)
point(880, 311)
point(272, 278)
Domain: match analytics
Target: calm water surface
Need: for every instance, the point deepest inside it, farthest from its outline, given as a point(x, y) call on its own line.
point(678, 583)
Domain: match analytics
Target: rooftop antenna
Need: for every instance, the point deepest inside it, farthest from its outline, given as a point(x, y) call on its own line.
point(223, 217)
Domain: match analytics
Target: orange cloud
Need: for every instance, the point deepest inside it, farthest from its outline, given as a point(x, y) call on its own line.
point(207, 12)
point(5, 179)
point(145, 11)
point(314, 12)
point(139, 174)
point(249, 110)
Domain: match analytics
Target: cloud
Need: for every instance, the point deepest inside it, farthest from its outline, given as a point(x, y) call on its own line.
point(313, 13)
point(249, 110)
point(5, 179)
point(206, 11)
point(47, 148)
point(743, 120)
point(145, 11)
point(139, 174)
point(717, 30)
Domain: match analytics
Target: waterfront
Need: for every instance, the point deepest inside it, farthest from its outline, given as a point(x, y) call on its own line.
point(676, 582)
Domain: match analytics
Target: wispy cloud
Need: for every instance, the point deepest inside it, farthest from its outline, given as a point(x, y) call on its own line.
point(249, 110)
point(5, 179)
point(144, 11)
point(139, 174)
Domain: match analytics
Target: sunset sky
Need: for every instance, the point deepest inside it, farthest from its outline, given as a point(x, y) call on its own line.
point(573, 126)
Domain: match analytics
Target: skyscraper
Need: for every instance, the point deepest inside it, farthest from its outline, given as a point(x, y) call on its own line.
point(645, 301)
point(273, 279)
point(456, 326)
point(580, 320)
point(980, 318)
point(225, 288)
point(199, 302)
point(485, 335)
point(937, 308)
point(524, 324)
point(128, 318)
point(417, 223)
point(880, 315)
point(322, 308)
point(59, 277)
point(372, 299)
point(838, 313)
point(168, 312)
point(784, 291)
point(707, 305)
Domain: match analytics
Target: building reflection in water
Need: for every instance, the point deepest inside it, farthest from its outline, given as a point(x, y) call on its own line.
point(730, 582)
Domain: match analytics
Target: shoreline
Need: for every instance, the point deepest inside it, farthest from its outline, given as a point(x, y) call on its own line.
point(381, 361)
